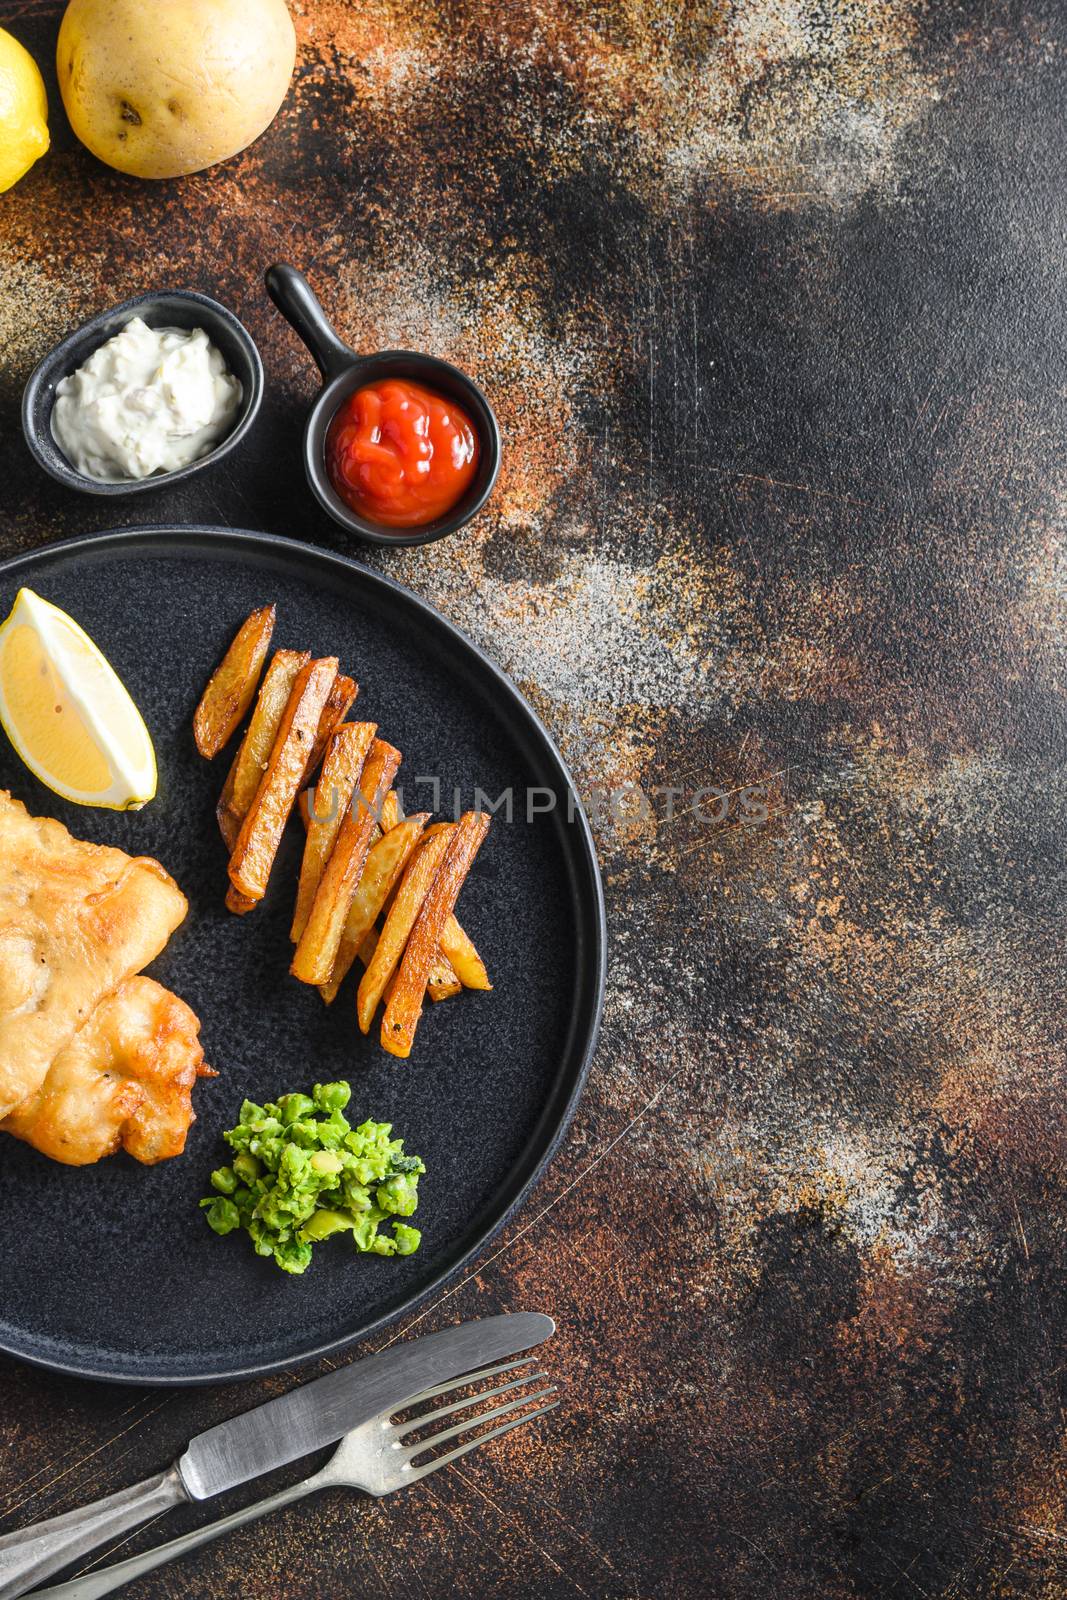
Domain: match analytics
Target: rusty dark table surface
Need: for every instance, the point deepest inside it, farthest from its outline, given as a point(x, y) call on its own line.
point(770, 297)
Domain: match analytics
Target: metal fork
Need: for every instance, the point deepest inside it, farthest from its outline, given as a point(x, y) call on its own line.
point(373, 1457)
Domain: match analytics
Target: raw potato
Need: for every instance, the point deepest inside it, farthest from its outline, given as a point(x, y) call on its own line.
point(317, 950)
point(333, 797)
point(158, 88)
point(261, 831)
point(232, 684)
point(404, 1005)
point(250, 762)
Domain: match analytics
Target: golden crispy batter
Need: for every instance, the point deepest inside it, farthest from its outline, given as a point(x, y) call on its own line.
point(76, 920)
point(125, 1078)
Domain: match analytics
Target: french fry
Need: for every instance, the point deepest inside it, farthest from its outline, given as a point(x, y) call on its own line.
point(386, 860)
point(250, 762)
point(317, 950)
point(431, 832)
point(239, 904)
point(391, 813)
point(456, 946)
point(404, 1007)
point(261, 831)
point(333, 797)
point(442, 982)
point(233, 683)
point(459, 949)
point(334, 712)
point(411, 891)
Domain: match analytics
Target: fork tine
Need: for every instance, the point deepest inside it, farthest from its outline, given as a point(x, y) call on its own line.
point(465, 1405)
point(411, 1473)
point(413, 1450)
point(461, 1383)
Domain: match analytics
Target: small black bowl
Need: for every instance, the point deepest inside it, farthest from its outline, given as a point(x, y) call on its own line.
point(343, 373)
point(171, 308)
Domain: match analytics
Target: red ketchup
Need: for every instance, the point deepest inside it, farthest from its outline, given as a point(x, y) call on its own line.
point(399, 454)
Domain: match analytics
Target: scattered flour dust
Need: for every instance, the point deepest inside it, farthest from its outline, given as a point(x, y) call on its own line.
point(792, 100)
point(784, 97)
point(855, 1180)
point(36, 309)
point(587, 637)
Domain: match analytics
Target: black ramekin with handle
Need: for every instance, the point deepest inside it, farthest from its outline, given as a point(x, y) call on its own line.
point(343, 372)
point(167, 308)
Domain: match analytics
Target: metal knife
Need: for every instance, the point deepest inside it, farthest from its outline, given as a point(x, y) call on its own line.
point(315, 1414)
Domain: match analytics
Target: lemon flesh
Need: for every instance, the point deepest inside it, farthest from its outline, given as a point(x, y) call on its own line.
point(23, 111)
point(67, 713)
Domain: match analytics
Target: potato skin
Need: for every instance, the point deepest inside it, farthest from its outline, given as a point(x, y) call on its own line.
point(162, 89)
point(232, 684)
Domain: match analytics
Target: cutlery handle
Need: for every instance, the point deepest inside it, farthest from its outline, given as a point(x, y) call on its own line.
point(296, 301)
point(29, 1555)
point(107, 1579)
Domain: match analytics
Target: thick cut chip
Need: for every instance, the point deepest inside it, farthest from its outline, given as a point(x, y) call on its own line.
point(317, 950)
point(442, 983)
point(404, 1006)
point(459, 950)
point(125, 1078)
point(338, 703)
point(386, 860)
point(333, 799)
point(261, 831)
point(76, 920)
point(233, 683)
point(250, 762)
point(391, 812)
point(456, 946)
point(407, 901)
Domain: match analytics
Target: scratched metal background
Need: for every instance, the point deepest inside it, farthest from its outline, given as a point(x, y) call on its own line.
point(770, 298)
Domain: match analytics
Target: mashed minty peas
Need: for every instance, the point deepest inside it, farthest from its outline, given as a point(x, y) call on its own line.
point(301, 1172)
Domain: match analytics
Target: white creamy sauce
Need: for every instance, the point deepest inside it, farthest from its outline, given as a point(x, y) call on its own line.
point(149, 400)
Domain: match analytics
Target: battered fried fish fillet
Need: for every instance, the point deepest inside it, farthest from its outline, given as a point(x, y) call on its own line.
point(126, 1078)
point(76, 920)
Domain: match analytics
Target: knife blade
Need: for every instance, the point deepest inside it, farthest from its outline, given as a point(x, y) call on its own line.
point(318, 1413)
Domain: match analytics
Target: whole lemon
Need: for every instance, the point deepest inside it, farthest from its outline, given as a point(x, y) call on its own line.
point(23, 111)
point(163, 88)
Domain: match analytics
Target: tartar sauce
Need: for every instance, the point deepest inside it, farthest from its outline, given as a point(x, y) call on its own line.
point(149, 400)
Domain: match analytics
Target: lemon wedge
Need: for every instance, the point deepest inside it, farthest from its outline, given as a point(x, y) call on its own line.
point(23, 111)
point(67, 713)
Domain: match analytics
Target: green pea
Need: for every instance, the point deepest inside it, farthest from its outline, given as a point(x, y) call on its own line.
point(221, 1215)
point(331, 1096)
point(323, 1223)
point(325, 1161)
point(291, 1107)
point(301, 1173)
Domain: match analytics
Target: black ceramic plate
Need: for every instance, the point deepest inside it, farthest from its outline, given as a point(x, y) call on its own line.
point(110, 1271)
